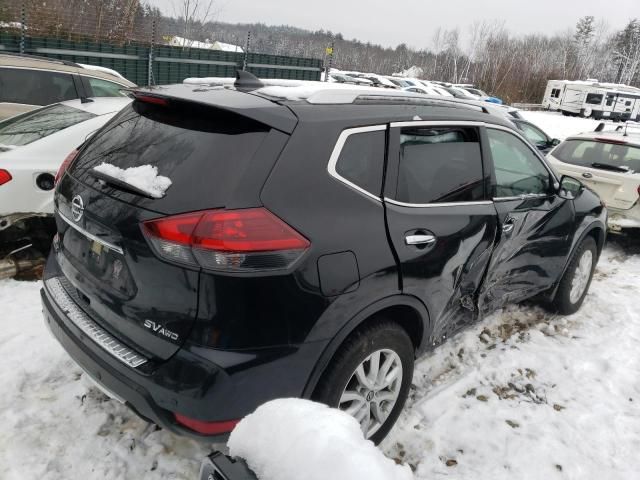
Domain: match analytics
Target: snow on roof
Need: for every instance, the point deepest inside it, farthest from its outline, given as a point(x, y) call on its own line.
point(177, 41)
point(101, 69)
point(293, 439)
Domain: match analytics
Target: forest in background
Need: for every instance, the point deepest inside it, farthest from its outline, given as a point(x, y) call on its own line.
point(513, 66)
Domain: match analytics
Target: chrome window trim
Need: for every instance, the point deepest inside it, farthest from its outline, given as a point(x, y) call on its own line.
point(90, 236)
point(433, 205)
point(90, 328)
point(525, 196)
point(337, 150)
point(444, 123)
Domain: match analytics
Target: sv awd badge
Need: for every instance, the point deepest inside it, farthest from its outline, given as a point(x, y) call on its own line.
point(160, 330)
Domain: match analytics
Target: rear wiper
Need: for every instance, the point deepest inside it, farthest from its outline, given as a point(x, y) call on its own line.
point(119, 184)
point(606, 166)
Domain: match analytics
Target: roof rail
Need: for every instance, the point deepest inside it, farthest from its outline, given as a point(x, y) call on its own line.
point(369, 95)
point(619, 128)
point(39, 57)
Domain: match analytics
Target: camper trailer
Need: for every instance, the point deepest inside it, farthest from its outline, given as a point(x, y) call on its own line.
point(593, 99)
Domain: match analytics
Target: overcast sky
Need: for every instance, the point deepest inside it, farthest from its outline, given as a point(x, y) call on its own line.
point(390, 22)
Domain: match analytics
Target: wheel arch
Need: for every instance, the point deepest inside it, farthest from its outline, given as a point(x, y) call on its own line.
point(406, 310)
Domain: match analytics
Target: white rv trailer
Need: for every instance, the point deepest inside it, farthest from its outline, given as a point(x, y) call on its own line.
point(593, 99)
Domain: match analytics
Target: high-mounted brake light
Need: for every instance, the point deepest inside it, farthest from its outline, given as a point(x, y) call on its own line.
point(65, 165)
point(5, 176)
point(151, 99)
point(249, 240)
point(610, 140)
point(206, 428)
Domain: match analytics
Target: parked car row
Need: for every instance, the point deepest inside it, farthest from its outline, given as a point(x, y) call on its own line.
point(461, 91)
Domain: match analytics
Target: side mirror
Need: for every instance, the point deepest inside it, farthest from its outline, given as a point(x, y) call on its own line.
point(554, 142)
point(569, 187)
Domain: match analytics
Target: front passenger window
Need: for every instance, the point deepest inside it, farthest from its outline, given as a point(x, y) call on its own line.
point(518, 170)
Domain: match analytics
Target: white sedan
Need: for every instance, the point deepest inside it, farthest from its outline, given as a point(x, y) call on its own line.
point(34, 144)
point(609, 163)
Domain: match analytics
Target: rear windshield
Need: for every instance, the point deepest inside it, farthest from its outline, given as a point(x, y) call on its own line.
point(590, 153)
point(38, 124)
point(204, 151)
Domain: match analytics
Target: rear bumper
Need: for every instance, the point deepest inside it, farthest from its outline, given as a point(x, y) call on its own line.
point(199, 383)
point(622, 219)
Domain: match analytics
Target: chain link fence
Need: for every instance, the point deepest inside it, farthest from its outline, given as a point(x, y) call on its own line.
point(131, 39)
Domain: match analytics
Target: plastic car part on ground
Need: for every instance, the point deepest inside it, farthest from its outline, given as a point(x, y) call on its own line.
point(218, 466)
point(292, 439)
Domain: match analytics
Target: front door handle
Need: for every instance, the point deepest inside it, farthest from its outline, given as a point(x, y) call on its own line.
point(418, 239)
point(507, 227)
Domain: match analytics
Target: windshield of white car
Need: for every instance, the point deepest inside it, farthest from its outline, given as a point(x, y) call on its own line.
point(35, 125)
point(604, 155)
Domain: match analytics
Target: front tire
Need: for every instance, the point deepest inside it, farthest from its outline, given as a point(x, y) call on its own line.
point(577, 278)
point(370, 376)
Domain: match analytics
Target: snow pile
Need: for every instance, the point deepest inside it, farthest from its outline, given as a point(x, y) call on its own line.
point(98, 68)
point(144, 177)
point(292, 439)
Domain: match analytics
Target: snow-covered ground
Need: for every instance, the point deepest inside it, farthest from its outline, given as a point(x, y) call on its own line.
point(558, 126)
point(524, 394)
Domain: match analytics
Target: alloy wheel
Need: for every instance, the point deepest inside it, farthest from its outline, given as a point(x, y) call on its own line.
point(372, 390)
point(581, 276)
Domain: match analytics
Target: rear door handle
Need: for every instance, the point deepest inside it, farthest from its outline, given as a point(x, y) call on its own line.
point(418, 239)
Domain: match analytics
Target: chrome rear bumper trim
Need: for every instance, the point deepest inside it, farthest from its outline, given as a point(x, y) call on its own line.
point(90, 328)
point(90, 236)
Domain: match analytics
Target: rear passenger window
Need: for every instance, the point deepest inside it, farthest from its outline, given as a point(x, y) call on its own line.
point(439, 165)
point(35, 87)
point(361, 160)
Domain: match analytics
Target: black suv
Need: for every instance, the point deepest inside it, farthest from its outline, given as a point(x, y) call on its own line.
point(312, 243)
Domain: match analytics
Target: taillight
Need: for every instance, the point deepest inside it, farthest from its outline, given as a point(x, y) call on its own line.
point(248, 240)
point(5, 177)
point(65, 164)
point(206, 428)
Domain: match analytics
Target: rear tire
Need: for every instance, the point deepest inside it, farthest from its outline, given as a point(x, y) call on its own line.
point(576, 280)
point(351, 384)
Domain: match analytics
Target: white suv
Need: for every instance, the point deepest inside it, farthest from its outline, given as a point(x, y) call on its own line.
point(609, 163)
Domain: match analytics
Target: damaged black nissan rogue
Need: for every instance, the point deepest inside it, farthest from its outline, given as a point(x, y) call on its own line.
point(308, 242)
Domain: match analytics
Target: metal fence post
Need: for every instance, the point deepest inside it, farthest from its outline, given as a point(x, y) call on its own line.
point(150, 65)
point(23, 20)
point(329, 52)
point(246, 50)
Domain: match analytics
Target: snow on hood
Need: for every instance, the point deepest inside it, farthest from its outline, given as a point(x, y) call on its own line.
point(144, 177)
point(294, 439)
